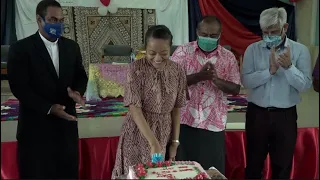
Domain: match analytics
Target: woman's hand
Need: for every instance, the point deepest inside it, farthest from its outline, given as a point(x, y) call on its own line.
point(156, 155)
point(155, 148)
point(173, 151)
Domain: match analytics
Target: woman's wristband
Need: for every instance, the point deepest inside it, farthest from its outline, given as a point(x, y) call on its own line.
point(175, 141)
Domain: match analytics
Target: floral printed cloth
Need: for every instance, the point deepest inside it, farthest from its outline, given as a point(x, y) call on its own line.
point(108, 107)
point(106, 80)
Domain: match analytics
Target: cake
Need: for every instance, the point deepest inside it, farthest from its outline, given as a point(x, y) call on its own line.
point(168, 170)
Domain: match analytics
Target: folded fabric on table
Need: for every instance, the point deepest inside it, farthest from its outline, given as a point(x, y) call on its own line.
point(237, 103)
point(108, 107)
point(106, 80)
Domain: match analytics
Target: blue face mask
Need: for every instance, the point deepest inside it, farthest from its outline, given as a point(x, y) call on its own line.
point(53, 30)
point(272, 40)
point(207, 44)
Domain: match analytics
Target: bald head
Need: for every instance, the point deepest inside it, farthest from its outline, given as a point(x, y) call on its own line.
point(209, 26)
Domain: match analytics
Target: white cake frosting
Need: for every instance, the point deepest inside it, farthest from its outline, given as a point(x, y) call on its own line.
point(180, 170)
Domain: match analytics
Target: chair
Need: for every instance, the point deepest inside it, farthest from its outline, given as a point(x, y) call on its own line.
point(116, 51)
point(4, 58)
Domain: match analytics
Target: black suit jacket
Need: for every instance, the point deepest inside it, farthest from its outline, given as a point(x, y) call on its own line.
point(35, 83)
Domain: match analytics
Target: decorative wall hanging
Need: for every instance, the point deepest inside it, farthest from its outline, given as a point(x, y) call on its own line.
point(92, 31)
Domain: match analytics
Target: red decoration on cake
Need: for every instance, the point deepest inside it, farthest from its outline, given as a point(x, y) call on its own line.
point(183, 170)
point(180, 167)
point(201, 176)
point(159, 164)
point(141, 170)
point(170, 176)
point(165, 172)
point(140, 165)
point(167, 163)
point(141, 173)
point(149, 164)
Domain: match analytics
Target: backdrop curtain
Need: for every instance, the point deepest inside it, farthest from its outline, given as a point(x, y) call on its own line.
point(233, 32)
point(167, 12)
point(8, 29)
point(248, 13)
point(194, 18)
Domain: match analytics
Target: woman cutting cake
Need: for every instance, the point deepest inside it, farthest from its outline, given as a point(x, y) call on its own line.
point(155, 91)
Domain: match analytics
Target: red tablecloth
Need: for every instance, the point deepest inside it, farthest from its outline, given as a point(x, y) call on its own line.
point(97, 156)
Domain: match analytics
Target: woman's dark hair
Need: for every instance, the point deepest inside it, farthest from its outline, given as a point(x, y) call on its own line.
point(158, 32)
point(43, 5)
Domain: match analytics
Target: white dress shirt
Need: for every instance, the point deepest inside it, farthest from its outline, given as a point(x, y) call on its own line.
point(281, 90)
point(53, 51)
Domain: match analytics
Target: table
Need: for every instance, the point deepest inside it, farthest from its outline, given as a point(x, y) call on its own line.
point(97, 156)
point(105, 118)
point(109, 107)
point(98, 142)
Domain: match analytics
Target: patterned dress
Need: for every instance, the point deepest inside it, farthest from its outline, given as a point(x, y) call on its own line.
point(156, 93)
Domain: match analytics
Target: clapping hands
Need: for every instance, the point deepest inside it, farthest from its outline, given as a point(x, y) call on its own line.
point(284, 59)
point(208, 72)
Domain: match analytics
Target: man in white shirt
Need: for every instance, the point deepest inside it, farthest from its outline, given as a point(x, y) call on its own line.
point(275, 71)
point(46, 75)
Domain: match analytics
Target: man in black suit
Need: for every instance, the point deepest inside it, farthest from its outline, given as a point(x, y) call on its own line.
point(46, 75)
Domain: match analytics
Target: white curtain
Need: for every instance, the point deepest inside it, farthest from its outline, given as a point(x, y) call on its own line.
point(172, 13)
point(26, 18)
